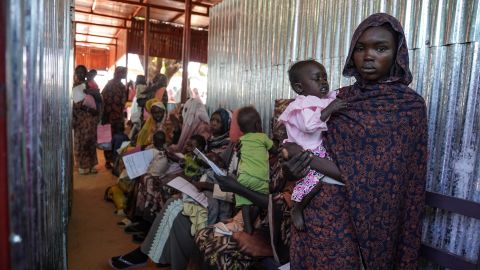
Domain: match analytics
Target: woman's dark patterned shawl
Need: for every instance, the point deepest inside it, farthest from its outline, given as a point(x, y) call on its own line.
point(380, 147)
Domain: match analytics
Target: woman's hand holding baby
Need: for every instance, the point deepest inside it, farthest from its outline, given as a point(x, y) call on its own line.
point(290, 149)
point(299, 165)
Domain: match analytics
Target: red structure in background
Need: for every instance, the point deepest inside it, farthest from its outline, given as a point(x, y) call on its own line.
point(4, 217)
point(166, 41)
point(91, 57)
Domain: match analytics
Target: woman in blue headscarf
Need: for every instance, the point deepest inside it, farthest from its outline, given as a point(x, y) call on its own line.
point(219, 127)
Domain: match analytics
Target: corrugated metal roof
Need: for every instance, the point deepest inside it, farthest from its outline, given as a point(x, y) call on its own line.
point(252, 43)
point(117, 13)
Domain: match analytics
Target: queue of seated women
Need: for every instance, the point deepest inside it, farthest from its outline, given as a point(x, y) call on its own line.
point(340, 184)
point(174, 229)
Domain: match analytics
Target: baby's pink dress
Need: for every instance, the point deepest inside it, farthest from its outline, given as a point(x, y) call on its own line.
point(304, 127)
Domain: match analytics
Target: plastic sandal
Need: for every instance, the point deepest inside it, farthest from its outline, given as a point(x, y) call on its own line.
point(83, 171)
point(123, 264)
point(124, 223)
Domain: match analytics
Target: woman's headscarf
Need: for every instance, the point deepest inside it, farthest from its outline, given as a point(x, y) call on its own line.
point(380, 146)
point(225, 118)
point(145, 135)
point(193, 114)
point(401, 71)
point(222, 140)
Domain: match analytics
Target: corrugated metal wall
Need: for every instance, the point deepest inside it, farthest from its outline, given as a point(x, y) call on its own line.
point(39, 133)
point(252, 43)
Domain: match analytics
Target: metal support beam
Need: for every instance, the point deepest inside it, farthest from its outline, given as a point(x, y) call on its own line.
point(92, 35)
point(98, 43)
point(204, 5)
point(74, 50)
point(186, 49)
point(146, 35)
point(126, 58)
point(103, 25)
point(157, 7)
point(116, 55)
point(101, 15)
point(94, 5)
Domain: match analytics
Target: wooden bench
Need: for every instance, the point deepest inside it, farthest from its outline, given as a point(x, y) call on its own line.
point(442, 257)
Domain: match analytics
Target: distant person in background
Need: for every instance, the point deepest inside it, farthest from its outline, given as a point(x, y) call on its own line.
point(159, 85)
point(118, 137)
point(85, 121)
point(91, 74)
point(114, 97)
point(131, 90)
point(137, 111)
point(93, 90)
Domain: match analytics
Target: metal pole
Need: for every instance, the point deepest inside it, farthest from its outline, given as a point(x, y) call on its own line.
point(126, 53)
point(186, 49)
point(161, 7)
point(98, 43)
point(74, 51)
point(4, 196)
point(146, 49)
point(101, 24)
point(116, 55)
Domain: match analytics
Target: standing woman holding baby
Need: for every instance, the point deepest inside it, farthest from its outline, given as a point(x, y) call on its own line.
point(85, 118)
point(378, 146)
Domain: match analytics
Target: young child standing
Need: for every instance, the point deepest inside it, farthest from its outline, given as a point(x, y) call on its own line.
point(305, 118)
point(253, 171)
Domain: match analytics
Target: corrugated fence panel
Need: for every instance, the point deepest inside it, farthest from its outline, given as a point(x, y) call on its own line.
point(253, 42)
point(39, 133)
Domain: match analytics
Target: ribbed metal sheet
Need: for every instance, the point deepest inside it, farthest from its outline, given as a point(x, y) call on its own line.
point(252, 43)
point(39, 132)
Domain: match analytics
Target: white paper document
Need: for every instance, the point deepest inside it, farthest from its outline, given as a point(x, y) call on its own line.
point(210, 163)
point(123, 146)
point(184, 186)
point(221, 195)
point(77, 93)
point(137, 163)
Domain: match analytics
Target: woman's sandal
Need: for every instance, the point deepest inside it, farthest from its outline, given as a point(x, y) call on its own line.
point(119, 263)
point(83, 171)
point(124, 223)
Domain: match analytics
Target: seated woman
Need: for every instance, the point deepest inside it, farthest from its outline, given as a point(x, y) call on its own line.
point(169, 240)
point(154, 123)
point(151, 192)
point(195, 121)
point(156, 169)
point(217, 145)
point(219, 128)
point(240, 250)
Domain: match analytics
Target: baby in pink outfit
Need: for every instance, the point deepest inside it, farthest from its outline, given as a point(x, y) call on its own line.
point(305, 119)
